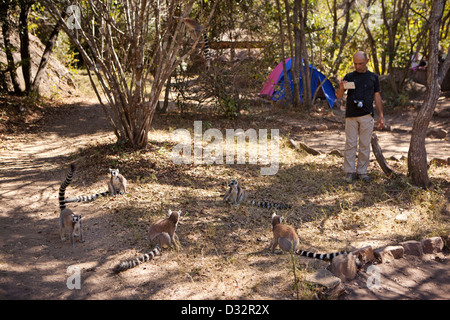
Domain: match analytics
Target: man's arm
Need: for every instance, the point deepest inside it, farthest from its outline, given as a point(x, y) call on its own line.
point(379, 107)
point(340, 92)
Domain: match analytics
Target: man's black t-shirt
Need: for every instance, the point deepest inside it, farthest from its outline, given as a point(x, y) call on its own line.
point(366, 84)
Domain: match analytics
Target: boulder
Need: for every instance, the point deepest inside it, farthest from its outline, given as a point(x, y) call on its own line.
point(333, 285)
point(413, 248)
point(389, 253)
point(432, 245)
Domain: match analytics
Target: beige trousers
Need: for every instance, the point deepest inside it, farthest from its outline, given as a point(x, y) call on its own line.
point(361, 127)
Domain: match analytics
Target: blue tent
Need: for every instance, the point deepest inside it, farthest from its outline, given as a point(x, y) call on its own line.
point(316, 78)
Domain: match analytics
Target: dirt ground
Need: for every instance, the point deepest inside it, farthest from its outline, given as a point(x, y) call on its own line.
point(34, 262)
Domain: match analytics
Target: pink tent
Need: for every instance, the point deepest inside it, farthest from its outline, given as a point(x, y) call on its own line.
point(273, 78)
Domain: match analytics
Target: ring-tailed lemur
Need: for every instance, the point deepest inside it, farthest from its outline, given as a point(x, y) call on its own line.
point(116, 185)
point(198, 28)
point(286, 238)
point(69, 222)
point(237, 195)
point(161, 235)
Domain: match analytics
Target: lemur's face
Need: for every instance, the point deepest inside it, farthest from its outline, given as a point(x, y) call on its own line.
point(114, 172)
point(233, 183)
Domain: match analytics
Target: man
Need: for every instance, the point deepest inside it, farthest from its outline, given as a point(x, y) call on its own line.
point(363, 89)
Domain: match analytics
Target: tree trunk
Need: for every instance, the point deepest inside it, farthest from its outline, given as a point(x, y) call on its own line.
point(304, 61)
point(294, 70)
point(25, 8)
point(4, 7)
point(297, 56)
point(46, 55)
point(347, 10)
point(372, 42)
point(417, 155)
point(287, 84)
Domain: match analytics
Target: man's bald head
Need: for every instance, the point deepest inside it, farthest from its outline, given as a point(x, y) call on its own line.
point(360, 61)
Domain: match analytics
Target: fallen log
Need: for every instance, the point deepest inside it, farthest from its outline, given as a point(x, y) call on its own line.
point(376, 149)
point(302, 146)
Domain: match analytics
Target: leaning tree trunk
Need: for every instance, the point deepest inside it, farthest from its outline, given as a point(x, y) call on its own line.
point(46, 55)
point(417, 154)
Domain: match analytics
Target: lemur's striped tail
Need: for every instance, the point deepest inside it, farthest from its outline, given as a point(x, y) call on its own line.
point(64, 185)
point(271, 205)
point(128, 264)
point(206, 50)
point(321, 256)
point(91, 197)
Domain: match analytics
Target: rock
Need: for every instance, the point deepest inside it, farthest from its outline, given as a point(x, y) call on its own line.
point(334, 126)
point(437, 133)
point(344, 267)
point(401, 218)
point(413, 248)
point(365, 255)
point(439, 162)
point(333, 285)
point(432, 245)
point(446, 240)
point(385, 256)
point(395, 158)
point(321, 127)
point(324, 278)
point(397, 251)
point(399, 130)
point(389, 253)
point(336, 152)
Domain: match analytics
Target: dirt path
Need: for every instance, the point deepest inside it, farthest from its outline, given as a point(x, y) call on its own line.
point(33, 261)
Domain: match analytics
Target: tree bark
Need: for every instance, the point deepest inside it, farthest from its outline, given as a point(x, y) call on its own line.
point(417, 155)
point(46, 55)
point(25, 8)
point(376, 149)
point(4, 7)
point(287, 84)
point(304, 61)
point(294, 70)
point(392, 28)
